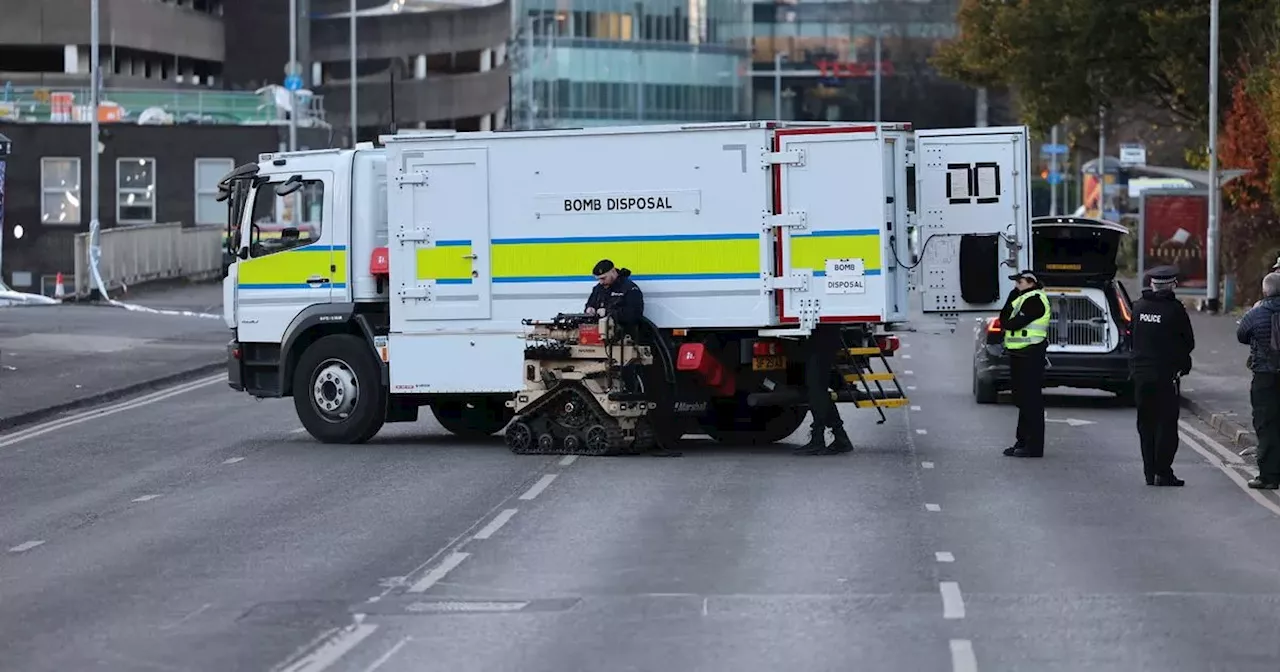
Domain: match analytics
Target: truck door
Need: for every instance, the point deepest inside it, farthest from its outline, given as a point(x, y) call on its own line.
point(830, 212)
point(293, 262)
point(974, 211)
point(439, 243)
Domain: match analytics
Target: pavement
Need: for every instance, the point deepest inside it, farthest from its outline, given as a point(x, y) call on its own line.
point(197, 529)
point(1217, 389)
point(61, 357)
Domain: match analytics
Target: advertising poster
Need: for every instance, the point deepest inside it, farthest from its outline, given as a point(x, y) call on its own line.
point(1173, 231)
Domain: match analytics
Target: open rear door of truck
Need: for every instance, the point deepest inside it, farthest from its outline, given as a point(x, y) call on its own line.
point(974, 212)
point(829, 208)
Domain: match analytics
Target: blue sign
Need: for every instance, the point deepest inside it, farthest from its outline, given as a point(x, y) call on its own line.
point(1053, 149)
point(293, 82)
point(1055, 178)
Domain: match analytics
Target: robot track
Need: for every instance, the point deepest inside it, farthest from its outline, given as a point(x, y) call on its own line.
point(568, 421)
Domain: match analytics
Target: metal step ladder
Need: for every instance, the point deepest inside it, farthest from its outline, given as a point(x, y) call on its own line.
point(858, 375)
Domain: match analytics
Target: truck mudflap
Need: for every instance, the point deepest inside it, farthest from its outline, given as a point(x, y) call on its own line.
point(235, 375)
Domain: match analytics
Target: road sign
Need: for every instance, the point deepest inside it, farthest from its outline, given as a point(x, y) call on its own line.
point(1055, 178)
point(1133, 154)
point(1050, 149)
point(293, 82)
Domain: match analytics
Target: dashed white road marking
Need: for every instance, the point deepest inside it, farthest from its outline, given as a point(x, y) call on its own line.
point(911, 387)
point(944, 556)
point(922, 431)
point(906, 356)
point(568, 460)
point(495, 524)
point(932, 507)
point(433, 576)
point(962, 658)
point(332, 650)
point(45, 428)
point(26, 546)
point(908, 373)
point(382, 660)
point(233, 460)
point(915, 408)
point(952, 600)
point(1233, 474)
point(927, 465)
point(146, 498)
point(537, 488)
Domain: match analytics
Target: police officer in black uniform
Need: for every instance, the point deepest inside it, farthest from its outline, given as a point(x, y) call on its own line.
point(824, 348)
point(1162, 345)
point(615, 294)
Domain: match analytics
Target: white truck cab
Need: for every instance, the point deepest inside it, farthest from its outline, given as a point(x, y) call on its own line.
point(369, 282)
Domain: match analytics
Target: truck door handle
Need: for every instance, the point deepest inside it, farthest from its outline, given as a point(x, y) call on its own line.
point(469, 256)
point(316, 280)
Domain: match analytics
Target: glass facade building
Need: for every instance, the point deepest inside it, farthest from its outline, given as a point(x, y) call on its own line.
point(614, 62)
point(828, 52)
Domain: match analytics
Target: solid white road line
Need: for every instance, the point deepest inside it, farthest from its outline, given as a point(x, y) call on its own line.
point(26, 546)
point(944, 556)
point(952, 601)
point(1233, 474)
point(1222, 450)
point(382, 660)
point(332, 650)
point(927, 465)
point(495, 524)
point(932, 507)
point(538, 487)
point(915, 408)
point(233, 460)
point(70, 421)
point(146, 498)
point(433, 576)
point(922, 431)
point(962, 658)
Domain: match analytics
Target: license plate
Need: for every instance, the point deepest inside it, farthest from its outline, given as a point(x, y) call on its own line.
point(769, 363)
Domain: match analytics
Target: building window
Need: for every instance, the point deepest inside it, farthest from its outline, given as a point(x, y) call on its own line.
point(136, 191)
point(60, 190)
point(208, 172)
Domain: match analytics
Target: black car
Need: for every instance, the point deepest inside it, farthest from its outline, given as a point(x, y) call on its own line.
point(1089, 335)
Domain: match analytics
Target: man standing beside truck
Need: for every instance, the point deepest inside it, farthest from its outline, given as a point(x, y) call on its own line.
point(615, 294)
point(824, 348)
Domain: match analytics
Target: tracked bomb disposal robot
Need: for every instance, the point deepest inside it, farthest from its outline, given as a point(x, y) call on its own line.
point(583, 390)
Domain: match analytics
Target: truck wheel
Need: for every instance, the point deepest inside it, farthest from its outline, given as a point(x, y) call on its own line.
point(472, 418)
point(985, 391)
point(337, 392)
point(762, 427)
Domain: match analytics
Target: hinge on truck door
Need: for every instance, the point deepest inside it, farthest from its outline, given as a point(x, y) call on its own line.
point(791, 220)
point(794, 157)
point(411, 179)
point(413, 236)
point(420, 292)
point(798, 279)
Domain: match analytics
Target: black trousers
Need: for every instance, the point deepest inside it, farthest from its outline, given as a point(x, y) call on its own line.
point(1264, 393)
point(1158, 410)
point(824, 348)
point(1026, 371)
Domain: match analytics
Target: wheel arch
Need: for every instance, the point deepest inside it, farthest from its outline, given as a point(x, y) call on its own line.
point(316, 322)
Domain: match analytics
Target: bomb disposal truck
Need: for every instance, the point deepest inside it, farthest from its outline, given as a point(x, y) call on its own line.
point(403, 272)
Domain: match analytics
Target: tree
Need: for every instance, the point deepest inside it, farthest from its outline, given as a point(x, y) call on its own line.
point(1068, 58)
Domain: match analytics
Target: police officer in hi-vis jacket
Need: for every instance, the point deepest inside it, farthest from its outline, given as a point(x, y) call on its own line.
point(1025, 322)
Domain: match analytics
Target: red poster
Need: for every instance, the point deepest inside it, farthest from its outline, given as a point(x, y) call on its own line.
point(1175, 230)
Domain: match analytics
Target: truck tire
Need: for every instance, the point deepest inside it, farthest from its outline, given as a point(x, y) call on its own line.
point(472, 418)
point(762, 427)
point(337, 390)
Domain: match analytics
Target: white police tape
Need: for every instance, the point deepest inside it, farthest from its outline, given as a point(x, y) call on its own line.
point(95, 253)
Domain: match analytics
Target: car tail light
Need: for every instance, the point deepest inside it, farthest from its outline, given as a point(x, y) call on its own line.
point(764, 348)
point(993, 327)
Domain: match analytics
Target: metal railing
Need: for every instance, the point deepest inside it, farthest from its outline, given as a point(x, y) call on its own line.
point(182, 106)
point(134, 255)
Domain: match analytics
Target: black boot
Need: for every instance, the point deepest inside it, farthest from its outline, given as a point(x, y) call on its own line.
point(816, 445)
point(1169, 481)
point(842, 444)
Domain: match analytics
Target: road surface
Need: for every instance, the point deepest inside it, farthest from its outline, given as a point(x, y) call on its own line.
point(196, 529)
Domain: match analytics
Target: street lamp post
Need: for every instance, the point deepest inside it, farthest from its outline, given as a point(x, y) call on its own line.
point(293, 72)
point(777, 85)
point(354, 94)
point(1215, 197)
point(95, 77)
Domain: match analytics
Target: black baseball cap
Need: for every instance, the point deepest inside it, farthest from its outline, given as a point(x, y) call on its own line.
point(1025, 273)
point(603, 266)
